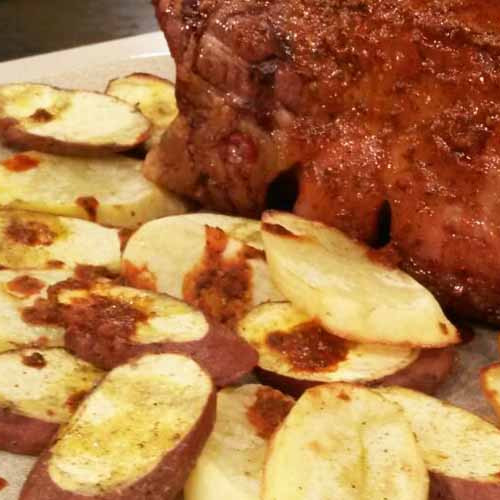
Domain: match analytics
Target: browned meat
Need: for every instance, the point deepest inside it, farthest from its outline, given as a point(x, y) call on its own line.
point(382, 107)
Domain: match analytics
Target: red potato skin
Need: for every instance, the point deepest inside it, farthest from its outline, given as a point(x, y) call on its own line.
point(425, 374)
point(24, 435)
point(453, 488)
point(224, 355)
point(165, 482)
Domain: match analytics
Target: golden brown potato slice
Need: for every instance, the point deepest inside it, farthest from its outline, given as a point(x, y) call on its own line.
point(136, 436)
point(232, 461)
point(211, 261)
point(110, 190)
point(154, 96)
point(40, 390)
point(344, 442)
point(30, 240)
point(68, 122)
point(333, 278)
point(490, 383)
point(460, 449)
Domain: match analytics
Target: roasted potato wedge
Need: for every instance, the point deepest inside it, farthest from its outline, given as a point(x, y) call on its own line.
point(345, 442)
point(108, 324)
point(354, 296)
point(461, 450)
point(490, 383)
point(68, 122)
point(296, 352)
point(40, 390)
point(30, 240)
point(154, 96)
point(211, 261)
point(232, 461)
point(136, 436)
point(110, 190)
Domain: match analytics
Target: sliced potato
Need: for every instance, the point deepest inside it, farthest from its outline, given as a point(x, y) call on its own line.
point(344, 442)
point(68, 122)
point(461, 450)
point(211, 261)
point(108, 324)
point(136, 436)
point(333, 278)
point(40, 390)
point(232, 461)
point(20, 290)
point(30, 240)
point(110, 190)
point(154, 96)
point(490, 383)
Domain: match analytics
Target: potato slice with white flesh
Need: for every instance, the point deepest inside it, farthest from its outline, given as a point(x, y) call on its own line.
point(232, 461)
point(40, 390)
point(154, 96)
point(344, 442)
point(30, 240)
point(19, 290)
point(460, 449)
point(490, 383)
point(211, 261)
point(68, 122)
point(108, 324)
point(136, 436)
point(110, 190)
point(331, 277)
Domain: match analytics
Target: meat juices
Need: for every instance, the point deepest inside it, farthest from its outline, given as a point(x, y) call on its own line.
point(388, 111)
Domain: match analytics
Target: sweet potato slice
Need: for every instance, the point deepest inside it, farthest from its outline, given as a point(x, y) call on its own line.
point(40, 390)
point(344, 442)
point(460, 449)
point(354, 296)
point(154, 96)
point(296, 352)
point(110, 190)
point(107, 325)
point(136, 437)
point(68, 122)
point(30, 240)
point(232, 461)
point(211, 261)
point(490, 383)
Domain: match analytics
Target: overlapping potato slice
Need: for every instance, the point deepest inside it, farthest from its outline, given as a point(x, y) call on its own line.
point(20, 290)
point(334, 278)
point(344, 442)
point(40, 390)
point(108, 324)
point(211, 261)
point(232, 461)
point(490, 383)
point(110, 190)
point(460, 449)
point(136, 436)
point(30, 240)
point(69, 122)
point(154, 96)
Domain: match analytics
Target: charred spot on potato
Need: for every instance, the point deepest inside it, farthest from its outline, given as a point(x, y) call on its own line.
point(75, 399)
point(55, 264)
point(30, 232)
point(277, 230)
point(89, 274)
point(42, 116)
point(20, 163)
point(268, 411)
point(34, 360)
point(140, 277)
point(90, 205)
point(309, 347)
point(25, 285)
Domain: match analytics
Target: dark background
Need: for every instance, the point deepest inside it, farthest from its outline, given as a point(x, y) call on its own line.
point(29, 27)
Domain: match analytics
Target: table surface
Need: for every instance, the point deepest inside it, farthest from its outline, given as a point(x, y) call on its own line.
point(29, 27)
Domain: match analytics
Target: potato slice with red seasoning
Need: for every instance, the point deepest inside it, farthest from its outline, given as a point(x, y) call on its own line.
point(354, 296)
point(136, 436)
point(19, 290)
point(68, 122)
point(110, 190)
point(154, 96)
point(344, 442)
point(296, 352)
point(460, 449)
point(211, 261)
point(30, 240)
point(490, 383)
point(232, 461)
point(107, 325)
point(40, 390)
